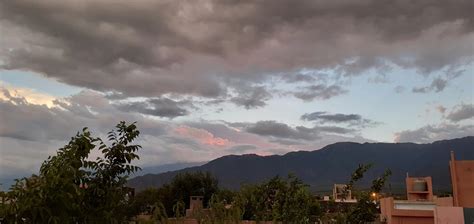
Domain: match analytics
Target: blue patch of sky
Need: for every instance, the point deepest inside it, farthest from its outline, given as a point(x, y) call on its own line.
point(37, 82)
point(376, 101)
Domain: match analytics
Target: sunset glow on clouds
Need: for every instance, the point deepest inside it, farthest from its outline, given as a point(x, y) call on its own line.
point(202, 136)
point(29, 95)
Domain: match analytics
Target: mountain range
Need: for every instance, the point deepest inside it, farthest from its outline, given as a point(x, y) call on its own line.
point(165, 168)
point(322, 168)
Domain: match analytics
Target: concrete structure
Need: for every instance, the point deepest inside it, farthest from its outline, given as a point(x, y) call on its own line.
point(449, 215)
point(419, 188)
point(407, 212)
point(339, 195)
point(462, 179)
point(195, 203)
point(422, 207)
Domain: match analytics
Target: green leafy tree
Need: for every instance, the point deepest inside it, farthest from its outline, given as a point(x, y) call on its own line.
point(366, 208)
point(144, 202)
point(179, 209)
point(287, 200)
point(185, 185)
point(70, 188)
point(178, 191)
point(159, 213)
point(221, 210)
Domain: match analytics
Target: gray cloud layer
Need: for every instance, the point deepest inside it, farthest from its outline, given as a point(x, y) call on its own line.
point(149, 48)
point(437, 85)
point(430, 133)
point(161, 107)
point(326, 117)
point(251, 97)
point(352, 120)
point(321, 92)
point(462, 112)
point(281, 130)
point(30, 132)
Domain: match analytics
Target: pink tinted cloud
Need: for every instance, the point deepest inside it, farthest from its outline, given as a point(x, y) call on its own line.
point(202, 136)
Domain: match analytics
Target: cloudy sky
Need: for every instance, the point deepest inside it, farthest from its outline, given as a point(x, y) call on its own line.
point(207, 78)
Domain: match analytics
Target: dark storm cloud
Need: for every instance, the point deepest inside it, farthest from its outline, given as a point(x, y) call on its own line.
point(161, 107)
point(281, 130)
point(251, 97)
point(461, 112)
point(320, 92)
point(150, 48)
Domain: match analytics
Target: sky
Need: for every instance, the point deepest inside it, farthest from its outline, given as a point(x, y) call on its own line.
point(208, 78)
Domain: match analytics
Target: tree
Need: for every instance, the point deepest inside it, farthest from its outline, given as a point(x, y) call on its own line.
point(221, 211)
point(286, 200)
point(185, 185)
point(366, 208)
point(178, 191)
point(70, 188)
point(145, 201)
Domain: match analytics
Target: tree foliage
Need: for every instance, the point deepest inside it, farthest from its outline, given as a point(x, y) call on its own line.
point(71, 188)
point(185, 185)
point(278, 199)
point(178, 191)
point(286, 200)
point(366, 208)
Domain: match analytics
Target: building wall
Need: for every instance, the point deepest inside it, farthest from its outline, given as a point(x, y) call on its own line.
point(386, 209)
point(337, 192)
point(413, 195)
point(195, 221)
point(404, 216)
point(462, 175)
point(412, 220)
point(444, 201)
point(449, 215)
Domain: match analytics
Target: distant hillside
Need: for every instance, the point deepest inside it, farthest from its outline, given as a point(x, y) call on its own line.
point(333, 164)
point(165, 168)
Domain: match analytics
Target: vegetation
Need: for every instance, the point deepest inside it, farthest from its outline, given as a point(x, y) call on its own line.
point(366, 208)
point(278, 200)
point(70, 188)
point(287, 200)
point(181, 188)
